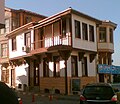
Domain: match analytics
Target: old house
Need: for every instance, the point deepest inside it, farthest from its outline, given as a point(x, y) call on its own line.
point(59, 52)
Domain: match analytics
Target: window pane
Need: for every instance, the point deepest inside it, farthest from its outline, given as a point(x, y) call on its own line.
point(84, 67)
point(84, 31)
point(4, 50)
point(74, 66)
point(27, 39)
point(102, 34)
point(111, 35)
point(2, 31)
point(45, 68)
point(77, 29)
point(14, 43)
point(91, 33)
point(7, 26)
point(15, 23)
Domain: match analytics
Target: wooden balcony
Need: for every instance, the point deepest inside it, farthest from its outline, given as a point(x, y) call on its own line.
point(41, 46)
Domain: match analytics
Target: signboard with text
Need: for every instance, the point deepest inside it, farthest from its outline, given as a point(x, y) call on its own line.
point(108, 69)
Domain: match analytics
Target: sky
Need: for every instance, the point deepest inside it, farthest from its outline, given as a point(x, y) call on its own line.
point(99, 9)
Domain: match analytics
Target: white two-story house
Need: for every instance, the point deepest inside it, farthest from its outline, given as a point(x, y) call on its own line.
point(58, 52)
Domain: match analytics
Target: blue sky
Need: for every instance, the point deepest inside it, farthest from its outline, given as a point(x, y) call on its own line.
point(100, 9)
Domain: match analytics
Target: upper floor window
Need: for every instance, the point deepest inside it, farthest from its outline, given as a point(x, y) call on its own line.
point(56, 28)
point(84, 31)
point(77, 29)
point(111, 35)
point(15, 23)
point(7, 25)
point(4, 50)
point(28, 19)
point(27, 39)
point(74, 66)
point(91, 33)
point(64, 27)
point(102, 34)
point(14, 44)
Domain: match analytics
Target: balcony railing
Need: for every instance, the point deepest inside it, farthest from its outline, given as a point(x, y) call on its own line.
point(52, 41)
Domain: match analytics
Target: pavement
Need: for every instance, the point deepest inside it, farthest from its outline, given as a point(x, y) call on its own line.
point(49, 96)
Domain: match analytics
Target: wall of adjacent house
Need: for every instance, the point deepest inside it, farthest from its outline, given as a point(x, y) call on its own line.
point(2, 7)
point(80, 43)
point(20, 43)
point(21, 76)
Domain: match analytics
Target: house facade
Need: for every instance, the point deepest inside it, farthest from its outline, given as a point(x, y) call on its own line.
point(13, 19)
point(57, 53)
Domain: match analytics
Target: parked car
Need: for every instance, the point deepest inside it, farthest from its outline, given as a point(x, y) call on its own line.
point(8, 95)
point(116, 86)
point(20, 100)
point(98, 93)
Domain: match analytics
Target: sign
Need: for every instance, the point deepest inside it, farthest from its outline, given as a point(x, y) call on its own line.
point(108, 69)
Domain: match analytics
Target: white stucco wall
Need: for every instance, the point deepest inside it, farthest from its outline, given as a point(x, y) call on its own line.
point(21, 76)
point(20, 43)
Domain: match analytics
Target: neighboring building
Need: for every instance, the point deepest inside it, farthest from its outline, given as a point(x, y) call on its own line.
point(105, 48)
point(2, 19)
point(13, 19)
point(2, 6)
point(58, 53)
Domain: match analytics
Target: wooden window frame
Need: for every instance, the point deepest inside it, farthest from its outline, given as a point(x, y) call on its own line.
point(77, 29)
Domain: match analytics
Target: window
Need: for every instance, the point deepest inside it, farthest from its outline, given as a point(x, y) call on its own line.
point(27, 39)
point(102, 34)
point(111, 35)
point(7, 25)
point(45, 68)
point(91, 33)
point(2, 31)
point(77, 29)
point(64, 27)
point(84, 67)
point(36, 73)
point(84, 31)
point(41, 37)
point(28, 19)
point(74, 66)
point(14, 44)
point(56, 66)
point(5, 76)
point(15, 23)
point(56, 27)
point(4, 50)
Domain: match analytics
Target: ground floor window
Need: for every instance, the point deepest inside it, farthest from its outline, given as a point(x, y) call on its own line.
point(36, 73)
point(56, 66)
point(84, 67)
point(5, 76)
point(45, 68)
point(74, 66)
